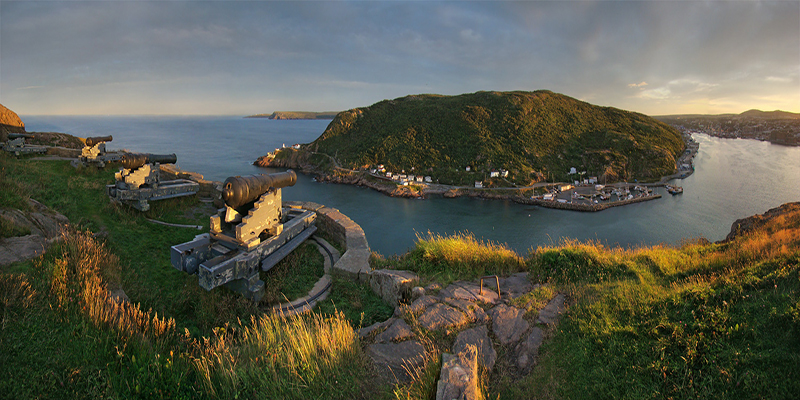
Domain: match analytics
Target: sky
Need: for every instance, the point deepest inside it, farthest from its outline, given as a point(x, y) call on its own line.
point(249, 57)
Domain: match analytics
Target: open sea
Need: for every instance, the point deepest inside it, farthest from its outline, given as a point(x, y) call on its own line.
point(734, 178)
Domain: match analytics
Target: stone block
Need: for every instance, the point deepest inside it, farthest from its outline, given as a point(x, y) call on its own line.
point(440, 316)
point(396, 332)
point(395, 360)
point(508, 324)
point(354, 265)
point(393, 286)
point(458, 378)
point(479, 338)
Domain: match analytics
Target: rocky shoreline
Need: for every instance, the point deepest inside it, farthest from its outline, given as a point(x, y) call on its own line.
point(300, 160)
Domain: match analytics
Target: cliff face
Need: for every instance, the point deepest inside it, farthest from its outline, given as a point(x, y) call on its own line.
point(9, 123)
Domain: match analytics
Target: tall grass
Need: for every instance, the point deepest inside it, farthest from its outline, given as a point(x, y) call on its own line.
point(459, 256)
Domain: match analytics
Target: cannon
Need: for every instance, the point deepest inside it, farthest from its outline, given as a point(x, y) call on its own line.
point(16, 144)
point(252, 233)
point(139, 180)
point(94, 153)
point(92, 141)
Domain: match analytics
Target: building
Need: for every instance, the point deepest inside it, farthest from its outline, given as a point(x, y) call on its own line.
point(573, 170)
point(468, 168)
point(504, 173)
point(494, 174)
point(428, 179)
point(478, 184)
point(418, 178)
point(564, 188)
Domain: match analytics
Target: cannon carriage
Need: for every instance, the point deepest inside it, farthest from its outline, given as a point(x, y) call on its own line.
point(139, 180)
point(252, 233)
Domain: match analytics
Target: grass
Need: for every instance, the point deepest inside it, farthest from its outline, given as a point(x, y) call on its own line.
point(702, 320)
point(446, 258)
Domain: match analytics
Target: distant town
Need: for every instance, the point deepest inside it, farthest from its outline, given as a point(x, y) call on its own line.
point(777, 127)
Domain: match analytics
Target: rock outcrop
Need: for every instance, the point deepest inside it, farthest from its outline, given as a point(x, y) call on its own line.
point(9, 123)
point(746, 225)
point(476, 320)
point(43, 224)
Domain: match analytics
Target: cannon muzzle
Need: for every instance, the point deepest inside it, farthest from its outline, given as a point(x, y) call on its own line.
point(136, 160)
point(239, 190)
point(91, 141)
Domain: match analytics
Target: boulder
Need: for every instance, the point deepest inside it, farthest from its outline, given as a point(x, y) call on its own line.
point(515, 285)
point(396, 332)
point(440, 316)
point(473, 311)
point(21, 248)
point(471, 292)
point(528, 349)
point(378, 326)
point(508, 324)
point(477, 337)
point(395, 360)
point(458, 378)
point(393, 286)
point(417, 292)
point(552, 311)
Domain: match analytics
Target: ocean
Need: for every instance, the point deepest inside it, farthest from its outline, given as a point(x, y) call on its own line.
point(734, 178)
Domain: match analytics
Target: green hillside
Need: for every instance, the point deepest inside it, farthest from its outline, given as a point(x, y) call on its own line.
point(534, 135)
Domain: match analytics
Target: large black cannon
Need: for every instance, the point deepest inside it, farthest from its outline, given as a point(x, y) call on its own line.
point(91, 141)
point(253, 229)
point(238, 191)
point(136, 160)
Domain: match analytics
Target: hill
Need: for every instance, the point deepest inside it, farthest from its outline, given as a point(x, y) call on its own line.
point(296, 115)
point(534, 135)
point(779, 127)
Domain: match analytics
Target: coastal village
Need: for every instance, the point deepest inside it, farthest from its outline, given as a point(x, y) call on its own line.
point(581, 194)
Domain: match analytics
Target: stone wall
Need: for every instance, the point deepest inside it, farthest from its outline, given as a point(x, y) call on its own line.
point(354, 263)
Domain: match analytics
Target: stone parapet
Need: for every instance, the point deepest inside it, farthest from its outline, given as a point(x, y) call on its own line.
point(354, 263)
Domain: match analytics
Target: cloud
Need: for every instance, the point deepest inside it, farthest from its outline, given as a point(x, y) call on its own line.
point(637, 85)
point(778, 79)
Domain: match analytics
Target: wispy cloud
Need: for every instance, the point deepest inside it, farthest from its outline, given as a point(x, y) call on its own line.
point(637, 85)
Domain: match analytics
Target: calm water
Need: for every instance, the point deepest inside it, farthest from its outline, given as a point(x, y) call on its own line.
point(733, 179)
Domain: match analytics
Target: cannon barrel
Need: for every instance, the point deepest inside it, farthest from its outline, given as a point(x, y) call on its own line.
point(136, 160)
point(19, 135)
point(239, 190)
point(91, 141)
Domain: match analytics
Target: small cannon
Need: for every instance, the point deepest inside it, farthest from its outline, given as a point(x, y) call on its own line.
point(16, 144)
point(139, 180)
point(251, 234)
point(94, 152)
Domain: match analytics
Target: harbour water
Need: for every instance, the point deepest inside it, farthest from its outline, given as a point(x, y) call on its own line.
point(734, 178)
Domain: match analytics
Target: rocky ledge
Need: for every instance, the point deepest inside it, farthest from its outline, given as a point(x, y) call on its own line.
point(749, 224)
point(473, 322)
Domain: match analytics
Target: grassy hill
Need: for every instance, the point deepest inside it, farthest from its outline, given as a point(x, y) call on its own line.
point(534, 135)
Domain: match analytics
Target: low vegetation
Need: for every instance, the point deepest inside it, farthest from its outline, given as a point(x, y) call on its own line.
point(534, 135)
point(703, 320)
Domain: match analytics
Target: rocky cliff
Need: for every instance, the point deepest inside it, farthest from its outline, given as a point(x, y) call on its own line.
point(9, 123)
point(746, 225)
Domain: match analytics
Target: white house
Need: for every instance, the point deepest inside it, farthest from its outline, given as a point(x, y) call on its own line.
point(428, 179)
point(573, 170)
point(468, 168)
point(418, 178)
point(549, 196)
point(592, 180)
point(478, 185)
point(504, 173)
point(494, 174)
point(296, 146)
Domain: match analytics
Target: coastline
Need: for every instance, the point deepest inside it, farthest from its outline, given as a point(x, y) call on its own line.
point(310, 163)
